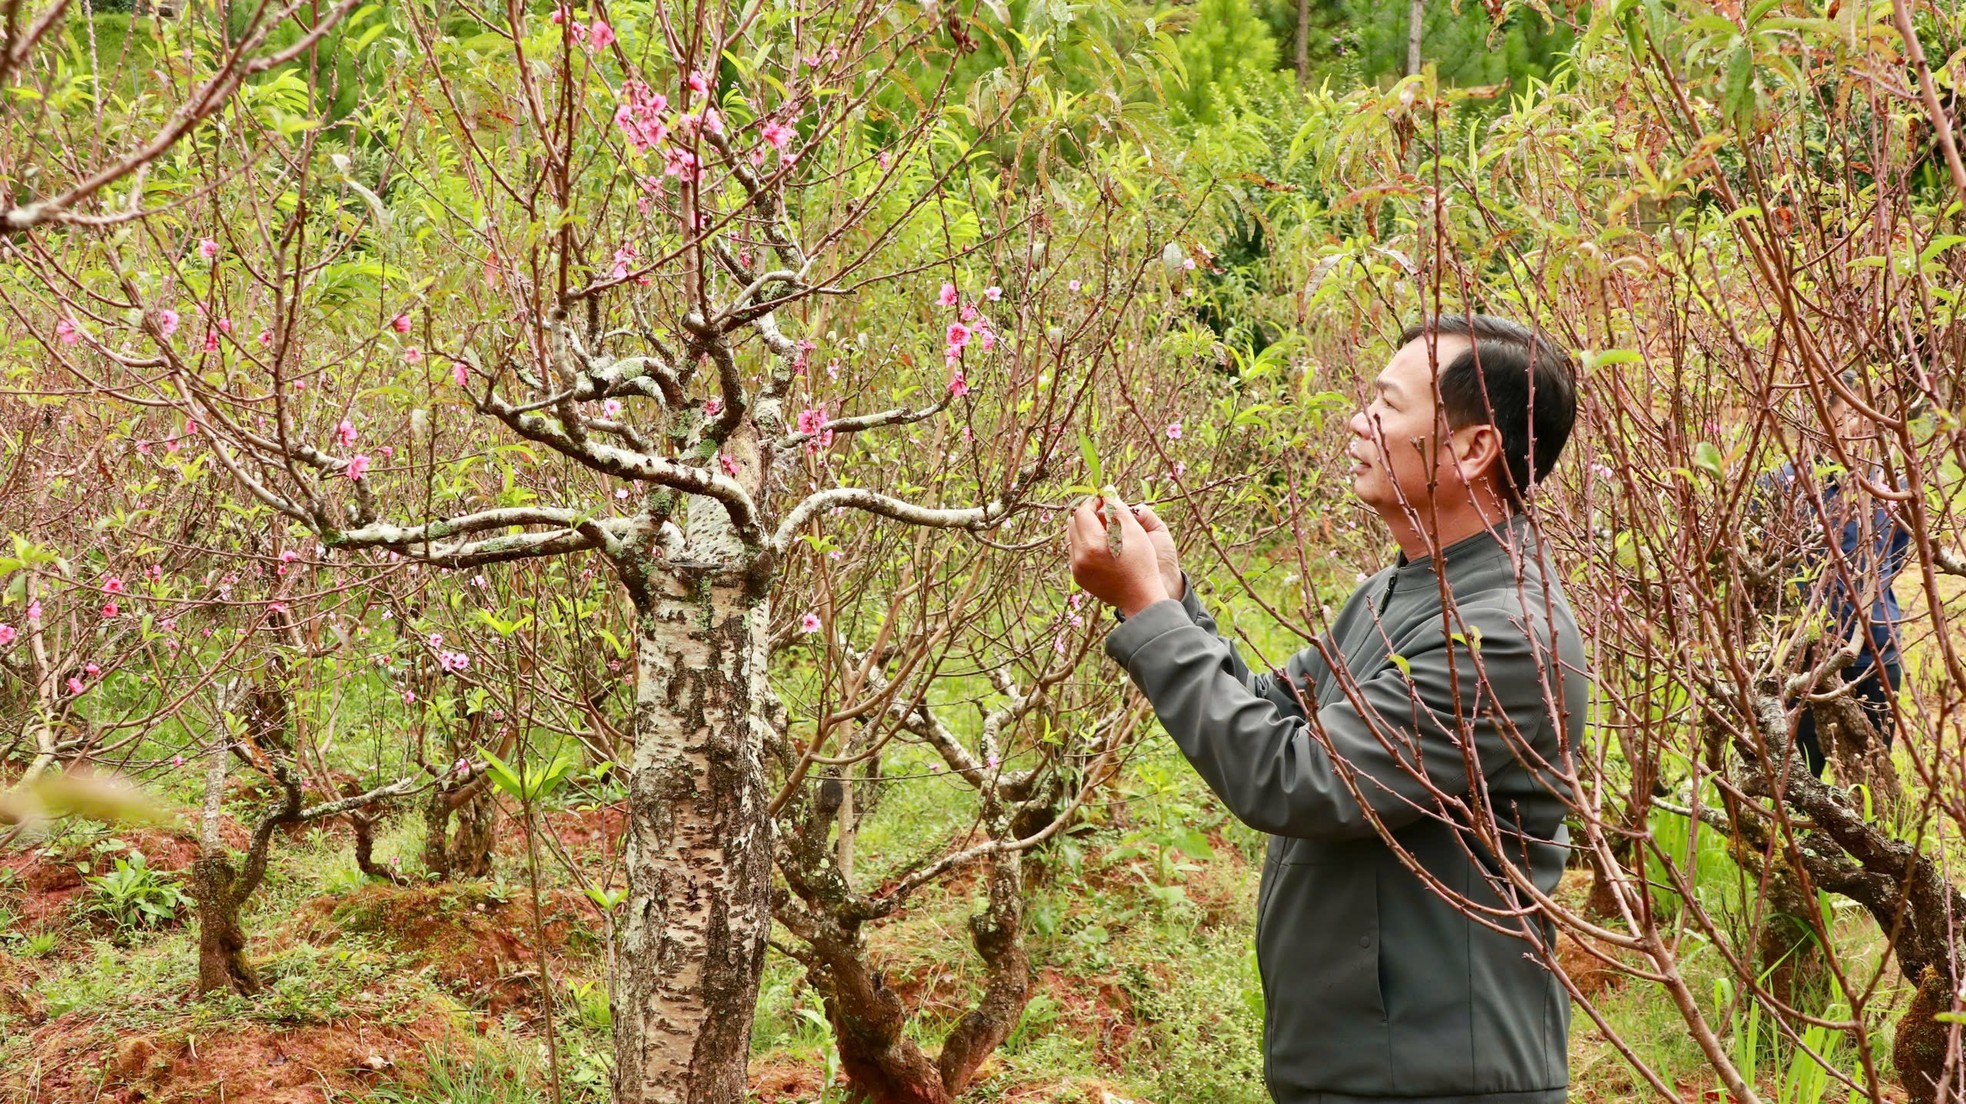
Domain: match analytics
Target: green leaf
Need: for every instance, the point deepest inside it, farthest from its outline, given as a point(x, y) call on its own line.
point(1737, 90)
point(1405, 665)
point(1707, 458)
point(501, 775)
point(1094, 475)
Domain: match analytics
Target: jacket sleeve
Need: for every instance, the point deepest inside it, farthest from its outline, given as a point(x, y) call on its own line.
point(1299, 669)
point(1271, 765)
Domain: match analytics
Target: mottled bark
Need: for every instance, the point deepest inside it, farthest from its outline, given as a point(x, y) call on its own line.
point(1902, 888)
point(998, 934)
point(1861, 757)
point(1919, 1049)
point(881, 1062)
point(214, 886)
point(690, 944)
point(1789, 947)
point(457, 830)
point(364, 827)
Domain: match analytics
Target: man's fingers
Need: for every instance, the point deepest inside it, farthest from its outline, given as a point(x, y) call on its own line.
point(1083, 523)
point(1149, 520)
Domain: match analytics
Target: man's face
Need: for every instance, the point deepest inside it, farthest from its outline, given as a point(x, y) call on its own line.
point(1850, 424)
point(1393, 449)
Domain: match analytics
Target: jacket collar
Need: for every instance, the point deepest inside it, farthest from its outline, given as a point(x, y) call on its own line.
point(1468, 549)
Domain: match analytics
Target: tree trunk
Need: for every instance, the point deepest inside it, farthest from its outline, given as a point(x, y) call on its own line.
point(882, 1064)
point(1919, 1049)
point(1303, 43)
point(216, 886)
point(1852, 743)
point(998, 933)
point(690, 946)
point(1415, 20)
point(466, 851)
point(1788, 949)
point(364, 827)
point(221, 941)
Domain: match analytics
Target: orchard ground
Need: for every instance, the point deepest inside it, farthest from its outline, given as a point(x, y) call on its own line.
point(1144, 981)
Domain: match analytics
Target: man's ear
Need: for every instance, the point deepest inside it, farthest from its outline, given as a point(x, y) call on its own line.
point(1478, 451)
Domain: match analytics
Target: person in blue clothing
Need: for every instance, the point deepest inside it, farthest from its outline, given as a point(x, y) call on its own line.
point(1855, 580)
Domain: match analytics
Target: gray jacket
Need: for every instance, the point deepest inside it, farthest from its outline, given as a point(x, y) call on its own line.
point(1374, 985)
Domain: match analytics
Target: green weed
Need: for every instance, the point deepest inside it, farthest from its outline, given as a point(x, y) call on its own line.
point(487, 1074)
point(136, 897)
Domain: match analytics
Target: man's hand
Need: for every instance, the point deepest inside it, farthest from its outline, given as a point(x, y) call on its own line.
point(1130, 580)
point(1165, 553)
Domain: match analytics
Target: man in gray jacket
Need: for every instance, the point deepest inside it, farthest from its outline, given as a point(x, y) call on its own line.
point(1407, 766)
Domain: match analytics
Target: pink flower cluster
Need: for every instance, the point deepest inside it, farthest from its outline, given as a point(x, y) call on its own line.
point(812, 422)
point(640, 115)
point(598, 36)
point(453, 662)
point(971, 327)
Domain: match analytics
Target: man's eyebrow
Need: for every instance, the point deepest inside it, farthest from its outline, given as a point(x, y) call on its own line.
point(1385, 386)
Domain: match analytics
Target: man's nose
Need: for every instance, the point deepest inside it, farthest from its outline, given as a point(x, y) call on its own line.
point(1360, 425)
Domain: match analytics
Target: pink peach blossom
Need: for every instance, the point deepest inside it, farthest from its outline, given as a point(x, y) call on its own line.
point(207, 248)
point(358, 466)
point(67, 332)
point(947, 297)
point(809, 623)
point(344, 433)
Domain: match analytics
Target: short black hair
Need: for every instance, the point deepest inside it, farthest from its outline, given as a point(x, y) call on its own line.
point(1514, 378)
